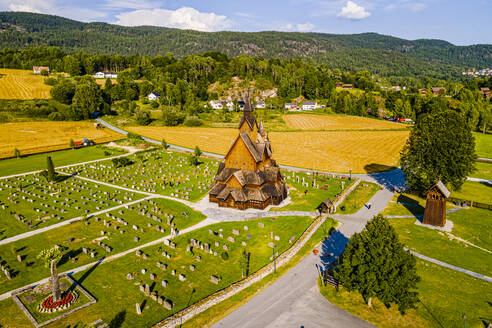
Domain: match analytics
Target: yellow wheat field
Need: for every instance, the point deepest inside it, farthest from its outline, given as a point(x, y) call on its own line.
point(335, 122)
point(22, 84)
point(38, 137)
point(338, 151)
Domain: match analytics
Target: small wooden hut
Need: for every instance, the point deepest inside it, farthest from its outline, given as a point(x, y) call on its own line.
point(326, 206)
point(435, 206)
point(249, 177)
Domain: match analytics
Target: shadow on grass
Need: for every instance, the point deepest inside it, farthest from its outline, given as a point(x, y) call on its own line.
point(411, 205)
point(332, 248)
point(431, 314)
point(118, 320)
point(85, 275)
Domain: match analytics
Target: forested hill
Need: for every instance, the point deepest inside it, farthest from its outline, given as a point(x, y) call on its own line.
point(381, 54)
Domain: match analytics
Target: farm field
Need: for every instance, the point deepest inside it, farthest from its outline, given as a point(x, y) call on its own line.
point(340, 151)
point(39, 137)
point(60, 158)
point(338, 122)
point(197, 284)
point(444, 296)
point(22, 84)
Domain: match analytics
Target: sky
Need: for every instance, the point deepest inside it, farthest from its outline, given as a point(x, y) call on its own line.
point(461, 22)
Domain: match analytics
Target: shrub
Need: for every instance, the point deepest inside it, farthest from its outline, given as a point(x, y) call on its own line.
point(224, 256)
point(154, 104)
point(193, 121)
point(5, 117)
point(143, 117)
point(56, 116)
point(172, 117)
point(50, 81)
point(132, 135)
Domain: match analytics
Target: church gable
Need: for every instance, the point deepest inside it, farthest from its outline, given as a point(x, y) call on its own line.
point(239, 156)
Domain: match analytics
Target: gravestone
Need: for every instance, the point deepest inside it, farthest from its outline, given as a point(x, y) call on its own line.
point(215, 279)
point(192, 267)
point(231, 239)
point(168, 305)
point(235, 232)
point(261, 224)
point(139, 310)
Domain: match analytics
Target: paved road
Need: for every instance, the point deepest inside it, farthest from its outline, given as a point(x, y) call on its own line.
point(294, 299)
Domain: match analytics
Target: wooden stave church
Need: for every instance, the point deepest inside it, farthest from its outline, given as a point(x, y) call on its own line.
point(435, 205)
point(249, 177)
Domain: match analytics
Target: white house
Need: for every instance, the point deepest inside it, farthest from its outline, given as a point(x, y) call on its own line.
point(111, 75)
point(291, 106)
point(216, 104)
point(99, 75)
point(309, 105)
point(154, 96)
point(38, 69)
point(260, 104)
point(230, 105)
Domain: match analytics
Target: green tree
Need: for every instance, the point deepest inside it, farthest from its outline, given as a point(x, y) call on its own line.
point(143, 117)
point(440, 146)
point(72, 65)
point(63, 91)
point(72, 144)
point(164, 144)
point(17, 153)
point(50, 169)
point(87, 99)
point(197, 151)
point(50, 257)
point(375, 264)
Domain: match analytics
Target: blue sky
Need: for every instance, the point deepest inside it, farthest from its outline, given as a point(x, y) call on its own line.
point(461, 22)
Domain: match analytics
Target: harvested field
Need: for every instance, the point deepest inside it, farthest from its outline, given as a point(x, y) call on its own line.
point(22, 84)
point(102, 82)
point(40, 137)
point(338, 151)
point(335, 122)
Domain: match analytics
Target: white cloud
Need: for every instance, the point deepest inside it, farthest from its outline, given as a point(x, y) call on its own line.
point(306, 27)
point(353, 11)
point(406, 5)
point(33, 6)
point(415, 6)
point(184, 18)
point(129, 4)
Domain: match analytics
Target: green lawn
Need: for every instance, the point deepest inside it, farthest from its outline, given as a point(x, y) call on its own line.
point(115, 293)
point(444, 296)
point(483, 145)
point(484, 171)
point(42, 204)
point(60, 158)
point(302, 201)
point(31, 269)
point(358, 197)
point(157, 171)
point(441, 246)
point(475, 191)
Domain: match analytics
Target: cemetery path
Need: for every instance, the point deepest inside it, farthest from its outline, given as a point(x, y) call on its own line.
point(110, 258)
point(294, 299)
point(479, 180)
point(67, 222)
point(67, 166)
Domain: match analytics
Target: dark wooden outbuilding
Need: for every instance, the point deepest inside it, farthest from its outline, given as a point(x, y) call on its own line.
point(435, 206)
point(326, 206)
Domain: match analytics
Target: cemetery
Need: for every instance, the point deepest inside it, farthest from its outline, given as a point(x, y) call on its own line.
point(29, 202)
point(155, 171)
point(160, 280)
point(91, 239)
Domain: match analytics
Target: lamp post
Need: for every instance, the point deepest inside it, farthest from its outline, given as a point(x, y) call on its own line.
point(274, 260)
point(464, 320)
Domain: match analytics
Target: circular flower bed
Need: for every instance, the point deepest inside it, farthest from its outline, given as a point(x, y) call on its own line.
point(48, 306)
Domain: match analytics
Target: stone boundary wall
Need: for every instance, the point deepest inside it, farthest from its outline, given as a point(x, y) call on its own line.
point(91, 298)
point(221, 295)
point(346, 192)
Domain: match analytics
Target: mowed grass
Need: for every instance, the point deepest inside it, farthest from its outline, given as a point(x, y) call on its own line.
point(484, 171)
point(86, 235)
point(475, 191)
point(358, 197)
point(60, 158)
point(336, 122)
point(471, 225)
point(40, 137)
point(483, 144)
point(22, 84)
point(108, 284)
point(444, 295)
point(334, 151)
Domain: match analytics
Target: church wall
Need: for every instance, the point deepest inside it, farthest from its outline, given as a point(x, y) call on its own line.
point(240, 157)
